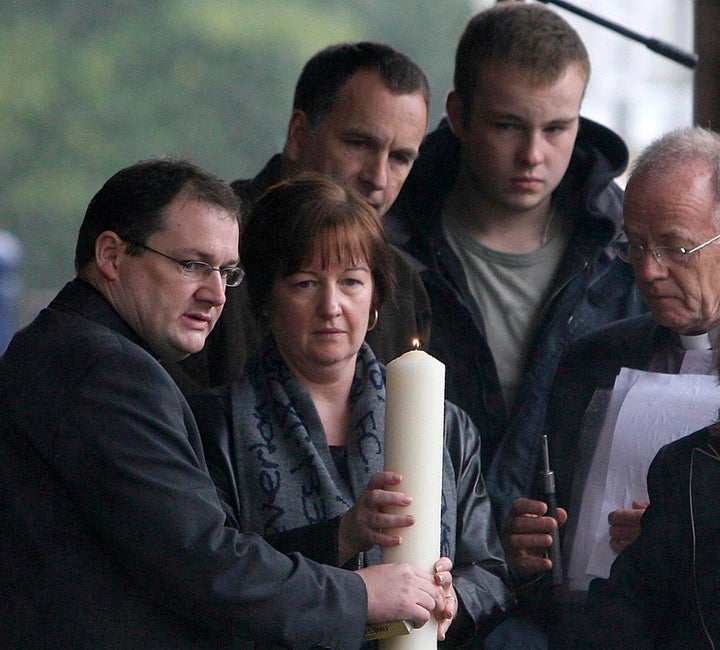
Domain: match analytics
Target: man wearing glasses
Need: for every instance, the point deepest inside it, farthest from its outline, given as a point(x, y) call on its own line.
point(663, 590)
point(112, 533)
point(672, 239)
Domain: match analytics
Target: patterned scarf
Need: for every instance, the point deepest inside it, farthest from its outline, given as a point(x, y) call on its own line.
point(282, 457)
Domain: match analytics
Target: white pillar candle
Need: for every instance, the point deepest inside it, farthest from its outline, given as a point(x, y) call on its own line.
point(414, 447)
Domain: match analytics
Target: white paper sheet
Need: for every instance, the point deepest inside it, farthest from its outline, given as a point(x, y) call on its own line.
point(647, 410)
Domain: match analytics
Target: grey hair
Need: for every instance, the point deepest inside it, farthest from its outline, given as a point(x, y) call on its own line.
point(677, 148)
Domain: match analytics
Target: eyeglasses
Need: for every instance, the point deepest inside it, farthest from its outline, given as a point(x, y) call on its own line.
point(664, 255)
point(232, 276)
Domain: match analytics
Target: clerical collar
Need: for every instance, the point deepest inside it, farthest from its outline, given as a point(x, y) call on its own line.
point(705, 341)
point(696, 341)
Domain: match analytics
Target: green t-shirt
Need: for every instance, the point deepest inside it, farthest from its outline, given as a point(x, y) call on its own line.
point(509, 290)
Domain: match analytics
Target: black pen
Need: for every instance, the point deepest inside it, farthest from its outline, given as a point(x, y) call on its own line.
point(548, 486)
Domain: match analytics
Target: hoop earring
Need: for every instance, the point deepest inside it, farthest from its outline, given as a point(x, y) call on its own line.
point(372, 325)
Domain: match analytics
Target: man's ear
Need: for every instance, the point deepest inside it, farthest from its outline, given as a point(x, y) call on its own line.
point(298, 128)
point(108, 247)
point(455, 110)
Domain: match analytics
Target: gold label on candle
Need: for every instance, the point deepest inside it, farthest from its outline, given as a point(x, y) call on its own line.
point(386, 630)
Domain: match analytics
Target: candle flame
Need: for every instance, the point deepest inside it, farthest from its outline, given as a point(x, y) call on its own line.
point(416, 343)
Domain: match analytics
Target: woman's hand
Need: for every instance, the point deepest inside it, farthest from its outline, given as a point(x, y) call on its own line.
point(446, 613)
point(362, 527)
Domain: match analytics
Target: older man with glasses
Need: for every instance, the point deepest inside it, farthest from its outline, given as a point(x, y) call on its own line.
point(669, 256)
point(672, 218)
point(671, 237)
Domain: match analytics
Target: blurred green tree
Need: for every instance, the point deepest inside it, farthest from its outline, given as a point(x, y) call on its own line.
point(87, 88)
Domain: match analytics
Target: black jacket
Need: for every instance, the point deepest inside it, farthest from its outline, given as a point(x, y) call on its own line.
point(664, 589)
point(113, 535)
point(590, 288)
point(592, 363)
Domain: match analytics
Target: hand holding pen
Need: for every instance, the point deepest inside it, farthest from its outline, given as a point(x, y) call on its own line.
point(547, 477)
point(527, 536)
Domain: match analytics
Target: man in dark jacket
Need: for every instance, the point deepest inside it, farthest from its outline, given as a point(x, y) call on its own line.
point(359, 115)
point(663, 591)
point(507, 214)
point(113, 535)
point(672, 228)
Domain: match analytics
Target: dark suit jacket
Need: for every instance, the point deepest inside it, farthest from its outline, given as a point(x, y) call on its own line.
point(664, 589)
point(591, 363)
point(112, 534)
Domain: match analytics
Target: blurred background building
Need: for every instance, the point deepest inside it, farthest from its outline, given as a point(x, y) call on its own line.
point(634, 90)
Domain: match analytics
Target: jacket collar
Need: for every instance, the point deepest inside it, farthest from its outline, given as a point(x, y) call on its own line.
point(80, 297)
